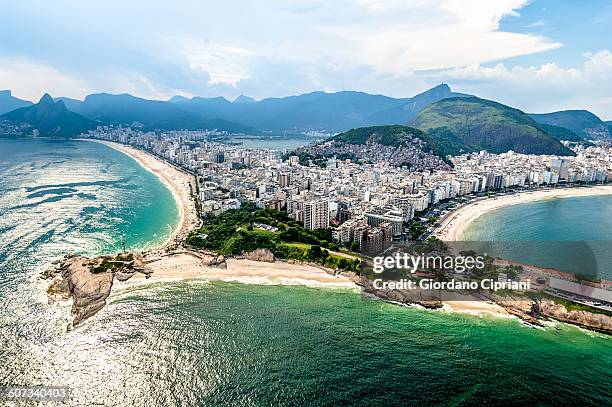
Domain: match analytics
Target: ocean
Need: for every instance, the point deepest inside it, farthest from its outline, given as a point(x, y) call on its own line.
point(230, 344)
point(571, 234)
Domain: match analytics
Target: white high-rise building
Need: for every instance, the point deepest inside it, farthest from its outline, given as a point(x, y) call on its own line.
point(316, 214)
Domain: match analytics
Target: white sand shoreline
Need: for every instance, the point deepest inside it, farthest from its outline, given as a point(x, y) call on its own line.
point(454, 224)
point(175, 180)
point(184, 267)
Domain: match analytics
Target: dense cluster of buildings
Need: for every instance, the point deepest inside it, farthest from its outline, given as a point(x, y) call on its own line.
point(362, 203)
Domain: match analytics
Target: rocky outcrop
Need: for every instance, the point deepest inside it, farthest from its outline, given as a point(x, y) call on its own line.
point(264, 255)
point(419, 297)
point(89, 281)
point(585, 319)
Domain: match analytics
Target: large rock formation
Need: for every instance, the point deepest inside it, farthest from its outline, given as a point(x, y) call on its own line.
point(264, 255)
point(423, 298)
point(89, 281)
point(585, 319)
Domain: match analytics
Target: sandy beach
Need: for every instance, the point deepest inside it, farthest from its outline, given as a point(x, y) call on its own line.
point(171, 263)
point(186, 266)
point(454, 224)
point(177, 181)
point(477, 308)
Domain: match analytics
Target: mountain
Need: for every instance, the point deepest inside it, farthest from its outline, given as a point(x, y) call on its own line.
point(50, 118)
point(71, 104)
point(581, 122)
point(178, 99)
point(560, 133)
point(410, 107)
point(330, 112)
point(469, 124)
point(9, 102)
point(395, 144)
point(243, 99)
point(152, 114)
point(128, 109)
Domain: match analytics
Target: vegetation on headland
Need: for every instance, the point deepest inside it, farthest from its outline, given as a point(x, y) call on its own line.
point(394, 136)
point(569, 305)
point(112, 264)
point(236, 232)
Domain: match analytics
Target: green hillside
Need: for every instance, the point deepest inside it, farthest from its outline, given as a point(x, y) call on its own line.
point(397, 135)
point(478, 124)
point(581, 122)
point(560, 133)
point(51, 118)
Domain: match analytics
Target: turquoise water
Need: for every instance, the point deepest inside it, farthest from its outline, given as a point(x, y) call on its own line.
point(197, 343)
point(570, 234)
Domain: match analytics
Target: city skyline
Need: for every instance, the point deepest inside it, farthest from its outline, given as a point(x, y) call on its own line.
point(537, 56)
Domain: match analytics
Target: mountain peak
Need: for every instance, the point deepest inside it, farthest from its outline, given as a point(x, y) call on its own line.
point(178, 99)
point(46, 99)
point(243, 99)
point(440, 90)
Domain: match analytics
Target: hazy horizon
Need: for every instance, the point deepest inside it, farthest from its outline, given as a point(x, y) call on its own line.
point(537, 56)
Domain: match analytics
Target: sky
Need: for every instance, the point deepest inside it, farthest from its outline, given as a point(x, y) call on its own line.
point(538, 55)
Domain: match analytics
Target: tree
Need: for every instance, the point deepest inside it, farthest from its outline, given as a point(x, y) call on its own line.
point(315, 253)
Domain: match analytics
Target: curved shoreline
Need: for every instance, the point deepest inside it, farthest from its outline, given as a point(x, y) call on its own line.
point(454, 224)
point(182, 267)
point(175, 180)
point(170, 265)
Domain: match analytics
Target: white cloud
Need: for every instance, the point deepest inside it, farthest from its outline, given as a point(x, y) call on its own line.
point(30, 80)
point(223, 64)
point(271, 48)
point(541, 88)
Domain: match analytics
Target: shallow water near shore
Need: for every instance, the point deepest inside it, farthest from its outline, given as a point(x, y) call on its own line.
point(569, 234)
point(193, 343)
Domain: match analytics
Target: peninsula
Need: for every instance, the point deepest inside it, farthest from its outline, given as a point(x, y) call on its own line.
point(271, 239)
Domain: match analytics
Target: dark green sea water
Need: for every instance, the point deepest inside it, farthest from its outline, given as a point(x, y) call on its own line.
point(198, 343)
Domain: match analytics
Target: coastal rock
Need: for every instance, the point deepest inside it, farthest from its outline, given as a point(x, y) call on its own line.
point(220, 262)
point(586, 319)
point(89, 290)
point(124, 276)
point(89, 281)
point(264, 255)
point(400, 296)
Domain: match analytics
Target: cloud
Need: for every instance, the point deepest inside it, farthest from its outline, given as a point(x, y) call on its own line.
point(29, 79)
point(536, 24)
point(259, 48)
point(541, 88)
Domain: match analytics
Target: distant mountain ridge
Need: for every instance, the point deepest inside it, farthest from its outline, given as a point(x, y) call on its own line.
point(126, 109)
point(51, 118)
point(470, 124)
point(331, 112)
point(9, 102)
point(501, 127)
point(581, 122)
